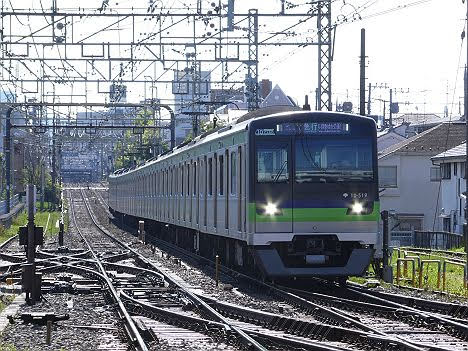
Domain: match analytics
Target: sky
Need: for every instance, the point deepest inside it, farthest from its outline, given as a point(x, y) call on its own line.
point(412, 46)
point(415, 49)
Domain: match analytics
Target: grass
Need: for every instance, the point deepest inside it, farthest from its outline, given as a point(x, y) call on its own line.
point(40, 220)
point(5, 300)
point(454, 274)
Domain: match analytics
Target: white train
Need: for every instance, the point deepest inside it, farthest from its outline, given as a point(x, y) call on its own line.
point(293, 194)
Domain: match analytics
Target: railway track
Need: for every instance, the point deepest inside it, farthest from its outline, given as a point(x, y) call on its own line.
point(263, 331)
point(380, 318)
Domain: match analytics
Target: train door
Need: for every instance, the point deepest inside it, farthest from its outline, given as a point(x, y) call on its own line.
point(215, 191)
point(205, 190)
point(196, 190)
point(226, 204)
point(273, 185)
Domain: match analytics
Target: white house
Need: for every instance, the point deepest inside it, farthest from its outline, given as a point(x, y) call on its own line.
point(452, 185)
point(408, 180)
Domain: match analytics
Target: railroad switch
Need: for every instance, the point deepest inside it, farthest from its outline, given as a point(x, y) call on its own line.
point(63, 249)
point(41, 318)
point(63, 287)
point(146, 333)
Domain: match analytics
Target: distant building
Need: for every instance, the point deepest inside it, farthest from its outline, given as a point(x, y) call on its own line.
point(408, 180)
point(224, 96)
point(88, 158)
point(451, 172)
point(419, 122)
point(277, 97)
point(192, 100)
point(4, 97)
point(265, 87)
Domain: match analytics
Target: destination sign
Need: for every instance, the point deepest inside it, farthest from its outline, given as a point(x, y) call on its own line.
point(316, 128)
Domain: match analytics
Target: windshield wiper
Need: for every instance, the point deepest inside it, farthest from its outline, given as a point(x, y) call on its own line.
point(280, 172)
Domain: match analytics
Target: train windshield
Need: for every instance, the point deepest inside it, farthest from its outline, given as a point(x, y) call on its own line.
point(329, 159)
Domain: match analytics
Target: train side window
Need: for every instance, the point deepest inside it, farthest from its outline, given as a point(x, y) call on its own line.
point(171, 180)
point(210, 176)
point(221, 175)
point(188, 179)
point(155, 180)
point(200, 173)
point(182, 178)
point(195, 178)
point(233, 173)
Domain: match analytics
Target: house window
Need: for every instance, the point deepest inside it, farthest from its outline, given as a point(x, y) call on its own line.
point(455, 168)
point(388, 176)
point(435, 174)
point(446, 170)
point(462, 170)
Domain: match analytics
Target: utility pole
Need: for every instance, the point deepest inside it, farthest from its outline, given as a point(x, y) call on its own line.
point(8, 158)
point(390, 107)
point(362, 80)
point(369, 100)
point(465, 226)
point(42, 184)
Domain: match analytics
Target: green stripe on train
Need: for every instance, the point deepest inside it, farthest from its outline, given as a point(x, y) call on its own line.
point(314, 215)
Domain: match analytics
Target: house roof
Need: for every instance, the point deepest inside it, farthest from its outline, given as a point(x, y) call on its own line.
point(431, 142)
point(419, 118)
point(277, 97)
point(454, 153)
point(386, 131)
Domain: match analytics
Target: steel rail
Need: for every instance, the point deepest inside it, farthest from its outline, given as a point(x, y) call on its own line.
point(448, 308)
point(248, 340)
point(131, 329)
point(462, 329)
point(195, 323)
point(324, 312)
point(302, 302)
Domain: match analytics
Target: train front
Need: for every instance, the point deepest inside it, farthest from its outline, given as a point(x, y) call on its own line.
point(314, 205)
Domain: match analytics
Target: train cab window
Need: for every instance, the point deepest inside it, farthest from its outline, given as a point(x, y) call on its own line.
point(210, 176)
point(233, 173)
point(330, 159)
point(272, 162)
point(221, 175)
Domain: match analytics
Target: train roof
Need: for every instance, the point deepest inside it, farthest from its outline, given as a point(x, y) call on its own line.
point(241, 124)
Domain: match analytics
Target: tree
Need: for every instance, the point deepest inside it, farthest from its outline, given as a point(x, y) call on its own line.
point(134, 148)
point(206, 126)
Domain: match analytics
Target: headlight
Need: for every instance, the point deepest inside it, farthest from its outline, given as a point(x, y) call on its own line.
point(271, 209)
point(357, 208)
